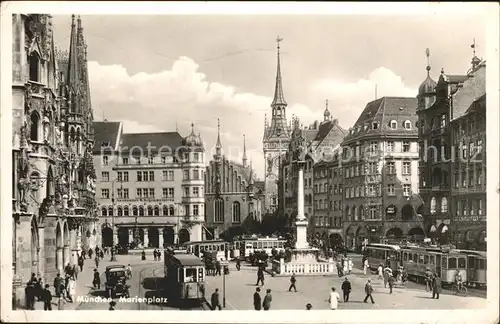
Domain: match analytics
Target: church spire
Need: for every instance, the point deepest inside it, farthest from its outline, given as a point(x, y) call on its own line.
point(72, 76)
point(218, 145)
point(244, 152)
point(279, 99)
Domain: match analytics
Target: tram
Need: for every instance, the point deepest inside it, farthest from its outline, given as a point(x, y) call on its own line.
point(445, 262)
point(381, 254)
point(184, 278)
point(266, 244)
point(198, 248)
point(476, 268)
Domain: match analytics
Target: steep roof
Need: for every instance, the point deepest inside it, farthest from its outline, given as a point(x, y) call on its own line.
point(472, 89)
point(165, 142)
point(106, 134)
point(381, 112)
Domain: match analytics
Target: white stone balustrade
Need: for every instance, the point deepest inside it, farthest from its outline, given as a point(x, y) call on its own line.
point(281, 268)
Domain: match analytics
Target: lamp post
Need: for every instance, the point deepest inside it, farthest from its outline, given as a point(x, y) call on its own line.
point(223, 286)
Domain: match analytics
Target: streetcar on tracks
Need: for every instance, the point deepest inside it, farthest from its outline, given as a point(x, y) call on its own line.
point(385, 254)
point(267, 244)
point(476, 268)
point(198, 248)
point(184, 282)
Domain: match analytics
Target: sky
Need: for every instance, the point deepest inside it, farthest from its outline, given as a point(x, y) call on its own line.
point(156, 73)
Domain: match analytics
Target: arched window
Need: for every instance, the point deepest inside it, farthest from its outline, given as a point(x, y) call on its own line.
point(348, 212)
point(361, 212)
point(34, 62)
point(433, 205)
point(35, 126)
point(110, 211)
point(134, 211)
point(125, 211)
point(354, 214)
point(393, 124)
point(444, 205)
point(165, 211)
point(150, 211)
point(157, 211)
point(219, 210)
point(141, 211)
point(119, 210)
point(172, 211)
point(104, 211)
point(236, 212)
point(407, 124)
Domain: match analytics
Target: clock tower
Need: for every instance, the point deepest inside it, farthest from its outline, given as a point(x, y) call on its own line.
point(275, 141)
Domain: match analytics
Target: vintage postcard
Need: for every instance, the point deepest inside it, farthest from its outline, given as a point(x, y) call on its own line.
point(250, 162)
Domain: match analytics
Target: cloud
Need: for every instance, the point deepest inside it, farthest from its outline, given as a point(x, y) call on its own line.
point(182, 95)
point(348, 99)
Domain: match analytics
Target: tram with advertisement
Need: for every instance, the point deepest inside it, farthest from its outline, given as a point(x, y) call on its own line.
point(476, 268)
point(250, 245)
point(198, 248)
point(385, 254)
point(184, 278)
point(442, 260)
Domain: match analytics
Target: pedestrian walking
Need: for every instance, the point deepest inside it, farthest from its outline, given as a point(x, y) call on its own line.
point(292, 283)
point(39, 289)
point(238, 263)
point(217, 268)
point(58, 285)
point(80, 262)
point(96, 282)
point(214, 300)
point(75, 271)
point(334, 299)
point(350, 265)
point(365, 266)
point(47, 298)
point(266, 304)
point(380, 271)
point(368, 291)
point(309, 306)
point(84, 254)
point(391, 281)
point(71, 289)
point(260, 276)
point(90, 253)
point(436, 286)
point(345, 264)
point(29, 293)
point(102, 254)
point(339, 268)
point(97, 260)
point(346, 289)
point(257, 299)
point(386, 277)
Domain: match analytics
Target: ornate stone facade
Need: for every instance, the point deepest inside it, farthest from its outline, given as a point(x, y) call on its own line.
point(53, 179)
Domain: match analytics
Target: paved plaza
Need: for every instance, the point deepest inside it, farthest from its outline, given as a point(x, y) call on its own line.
point(240, 286)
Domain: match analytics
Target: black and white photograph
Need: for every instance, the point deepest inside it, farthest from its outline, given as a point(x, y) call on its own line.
point(214, 157)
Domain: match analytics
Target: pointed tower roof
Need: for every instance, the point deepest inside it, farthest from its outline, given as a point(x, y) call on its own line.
point(428, 85)
point(218, 144)
point(244, 151)
point(72, 74)
point(326, 114)
point(279, 99)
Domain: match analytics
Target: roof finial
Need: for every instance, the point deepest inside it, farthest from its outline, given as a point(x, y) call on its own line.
point(428, 54)
point(473, 46)
point(73, 20)
point(218, 144)
point(326, 102)
point(278, 91)
point(192, 128)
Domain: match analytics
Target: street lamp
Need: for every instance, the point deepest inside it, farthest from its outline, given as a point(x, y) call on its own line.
point(223, 286)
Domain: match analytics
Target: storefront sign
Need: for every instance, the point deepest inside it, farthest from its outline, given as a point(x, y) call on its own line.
point(391, 210)
point(471, 218)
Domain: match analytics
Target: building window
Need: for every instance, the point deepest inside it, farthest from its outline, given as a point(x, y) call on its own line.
point(171, 210)
point(393, 124)
point(196, 192)
point(104, 211)
point(157, 211)
point(373, 148)
point(186, 175)
point(433, 205)
point(164, 175)
point(120, 193)
point(105, 176)
point(390, 146)
point(105, 160)
point(479, 175)
point(479, 146)
point(407, 124)
point(219, 210)
point(141, 211)
point(110, 211)
point(195, 210)
point(119, 211)
point(145, 192)
point(138, 193)
point(464, 151)
point(151, 192)
point(371, 190)
point(125, 193)
point(464, 179)
point(196, 175)
point(139, 176)
point(125, 160)
point(186, 192)
point(375, 125)
point(372, 168)
point(151, 159)
point(151, 176)
point(119, 176)
point(406, 146)
point(373, 212)
point(125, 176)
point(391, 167)
point(35, 127)
point(145, 176)
point(443, 120)
point(391, 191)
point(465, 208)
point(105, 193)
point(150, 211)
point(196, 157)
point(406, 168)
point(34, 65)
point(165, 210)
point(164, 193)
point(125, 211)
point(134, 211)
point(406, 190)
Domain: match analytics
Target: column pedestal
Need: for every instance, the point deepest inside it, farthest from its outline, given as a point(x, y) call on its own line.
point(160, 238)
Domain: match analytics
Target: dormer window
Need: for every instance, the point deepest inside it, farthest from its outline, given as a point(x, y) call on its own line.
point(375, 125)
point(407, 124)
point(393, 124)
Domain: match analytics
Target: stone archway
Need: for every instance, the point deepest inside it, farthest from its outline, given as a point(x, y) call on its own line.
point(350, 238)
point(107, 236)
point(394, 232)
point(168, 236)
point(416, 234)
point(153, 237)
point(35, 248)
point(360, 235)
point(184, 236)
point(407, 212)
point(123, 236)
point(59, 247)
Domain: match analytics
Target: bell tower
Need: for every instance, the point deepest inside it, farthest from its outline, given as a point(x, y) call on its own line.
point(276, 139)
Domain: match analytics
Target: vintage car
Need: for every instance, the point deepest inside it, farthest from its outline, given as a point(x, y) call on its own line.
point(116, 281)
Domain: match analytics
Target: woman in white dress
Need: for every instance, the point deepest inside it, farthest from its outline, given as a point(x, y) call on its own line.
point(350, 265)
point(72, 289)
point(346, 267)
point(365, 267)
point(334, 299)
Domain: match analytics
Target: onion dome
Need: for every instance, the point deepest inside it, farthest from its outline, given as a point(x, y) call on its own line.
point(327, 113)
point(429, 85)
point(193, 139)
